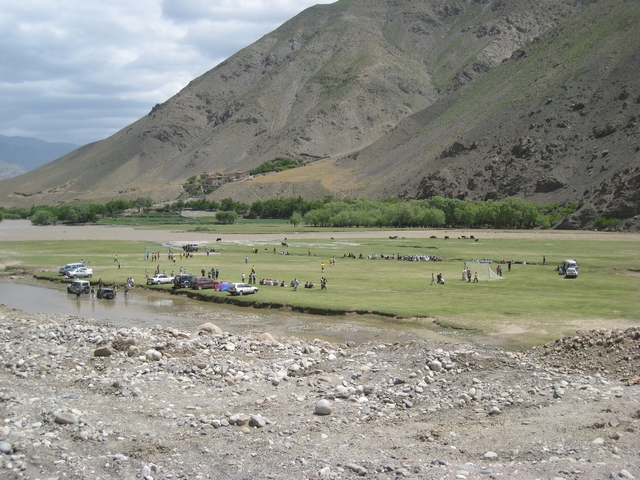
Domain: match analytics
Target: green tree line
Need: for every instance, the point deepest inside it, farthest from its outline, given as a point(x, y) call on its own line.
point(432, 212)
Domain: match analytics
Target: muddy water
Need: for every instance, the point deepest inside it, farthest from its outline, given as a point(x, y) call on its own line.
point(143, 308)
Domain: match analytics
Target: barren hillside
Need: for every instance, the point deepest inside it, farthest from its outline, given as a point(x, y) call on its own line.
point(476, 99)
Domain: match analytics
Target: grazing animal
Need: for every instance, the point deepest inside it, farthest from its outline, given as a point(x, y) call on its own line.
point(463, 237)
point(393, 238)
point(284, 244)
point(471, 237)
point(433, 236)
point(476, 240)
point(218, 239)
point(446, 237)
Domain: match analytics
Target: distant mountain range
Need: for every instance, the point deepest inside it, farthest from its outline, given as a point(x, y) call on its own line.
point(467, 99)
point(19, 155)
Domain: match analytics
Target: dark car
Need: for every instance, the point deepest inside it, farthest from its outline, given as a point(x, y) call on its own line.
point(184, 280)
point(204, 282)
point(106, 293)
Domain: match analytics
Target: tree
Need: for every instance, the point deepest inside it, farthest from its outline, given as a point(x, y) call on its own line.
point(226, 216)
point(144, 203)
point(296, 218)
point(42, 217)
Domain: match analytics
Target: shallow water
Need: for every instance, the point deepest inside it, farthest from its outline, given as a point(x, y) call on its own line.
point(145, 308)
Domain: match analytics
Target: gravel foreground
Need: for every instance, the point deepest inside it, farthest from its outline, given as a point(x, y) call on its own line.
point(87, 399)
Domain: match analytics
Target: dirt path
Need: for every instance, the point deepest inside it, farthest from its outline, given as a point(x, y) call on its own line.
point(19, 230)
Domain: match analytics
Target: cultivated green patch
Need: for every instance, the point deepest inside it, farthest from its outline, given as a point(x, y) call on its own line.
point(531, 304)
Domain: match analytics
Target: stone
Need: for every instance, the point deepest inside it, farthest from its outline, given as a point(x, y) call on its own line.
point(65, 418)
point(435, 366)
point(494, 411)
point(257, 421)
point(323, 407)
point(153, 355)
point(6, 448)
point(103, 352)
point(133, 351)
point(210, 328)
point(491, 455)
point(361, 471)
point(266, 337)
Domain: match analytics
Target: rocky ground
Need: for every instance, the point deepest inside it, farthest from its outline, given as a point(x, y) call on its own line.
point(87, 399)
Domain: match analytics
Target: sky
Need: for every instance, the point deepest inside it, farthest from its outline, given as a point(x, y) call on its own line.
point(78, 71)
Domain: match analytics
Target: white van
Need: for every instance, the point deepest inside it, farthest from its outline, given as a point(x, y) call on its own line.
point(70, 266)
point(79, 286)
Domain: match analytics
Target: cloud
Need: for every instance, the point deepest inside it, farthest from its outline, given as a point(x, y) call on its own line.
point(78, 71)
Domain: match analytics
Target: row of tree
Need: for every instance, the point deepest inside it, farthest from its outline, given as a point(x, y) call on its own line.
point(433, 212)
point(76, 213)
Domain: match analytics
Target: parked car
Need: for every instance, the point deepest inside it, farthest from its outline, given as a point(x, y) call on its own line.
point(80, 272)
point(571, 273)
point(106, 293)
point(241, 289)
point(184, 280)
point(567, 264)
point(79, 286)
point(69, 266)
point(204, 282)
point(159, 278)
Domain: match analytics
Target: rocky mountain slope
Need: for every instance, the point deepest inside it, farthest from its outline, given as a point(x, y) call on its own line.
point(476, 99)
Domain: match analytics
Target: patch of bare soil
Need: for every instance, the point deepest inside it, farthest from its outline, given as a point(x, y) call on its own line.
point(18, 230)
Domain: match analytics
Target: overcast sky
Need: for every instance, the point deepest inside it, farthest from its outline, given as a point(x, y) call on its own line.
point(80, 70)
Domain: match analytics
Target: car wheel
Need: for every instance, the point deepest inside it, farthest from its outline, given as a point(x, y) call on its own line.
point(89, 276)
point(199, 287)
point(240, 292)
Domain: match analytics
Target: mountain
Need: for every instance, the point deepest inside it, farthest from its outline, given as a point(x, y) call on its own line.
point(475, 99)
point(22, 154)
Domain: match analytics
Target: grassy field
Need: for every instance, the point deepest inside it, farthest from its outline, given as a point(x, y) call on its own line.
point(531, 304)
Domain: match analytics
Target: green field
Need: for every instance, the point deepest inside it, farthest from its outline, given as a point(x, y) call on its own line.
point(531, 304)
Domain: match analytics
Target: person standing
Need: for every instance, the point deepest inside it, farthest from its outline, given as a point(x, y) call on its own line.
point(544, 260)
point(246, 260)
point(242, 277)
point(295, 284)
point(322, 267)
point(433, 279)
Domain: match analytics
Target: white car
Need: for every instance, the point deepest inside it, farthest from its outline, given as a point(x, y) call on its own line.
point(80, 272)
point(159, 278)
point(571, 273)
point(241, 289)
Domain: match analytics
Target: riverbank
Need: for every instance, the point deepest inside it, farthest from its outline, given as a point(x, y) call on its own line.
point(91, 399)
